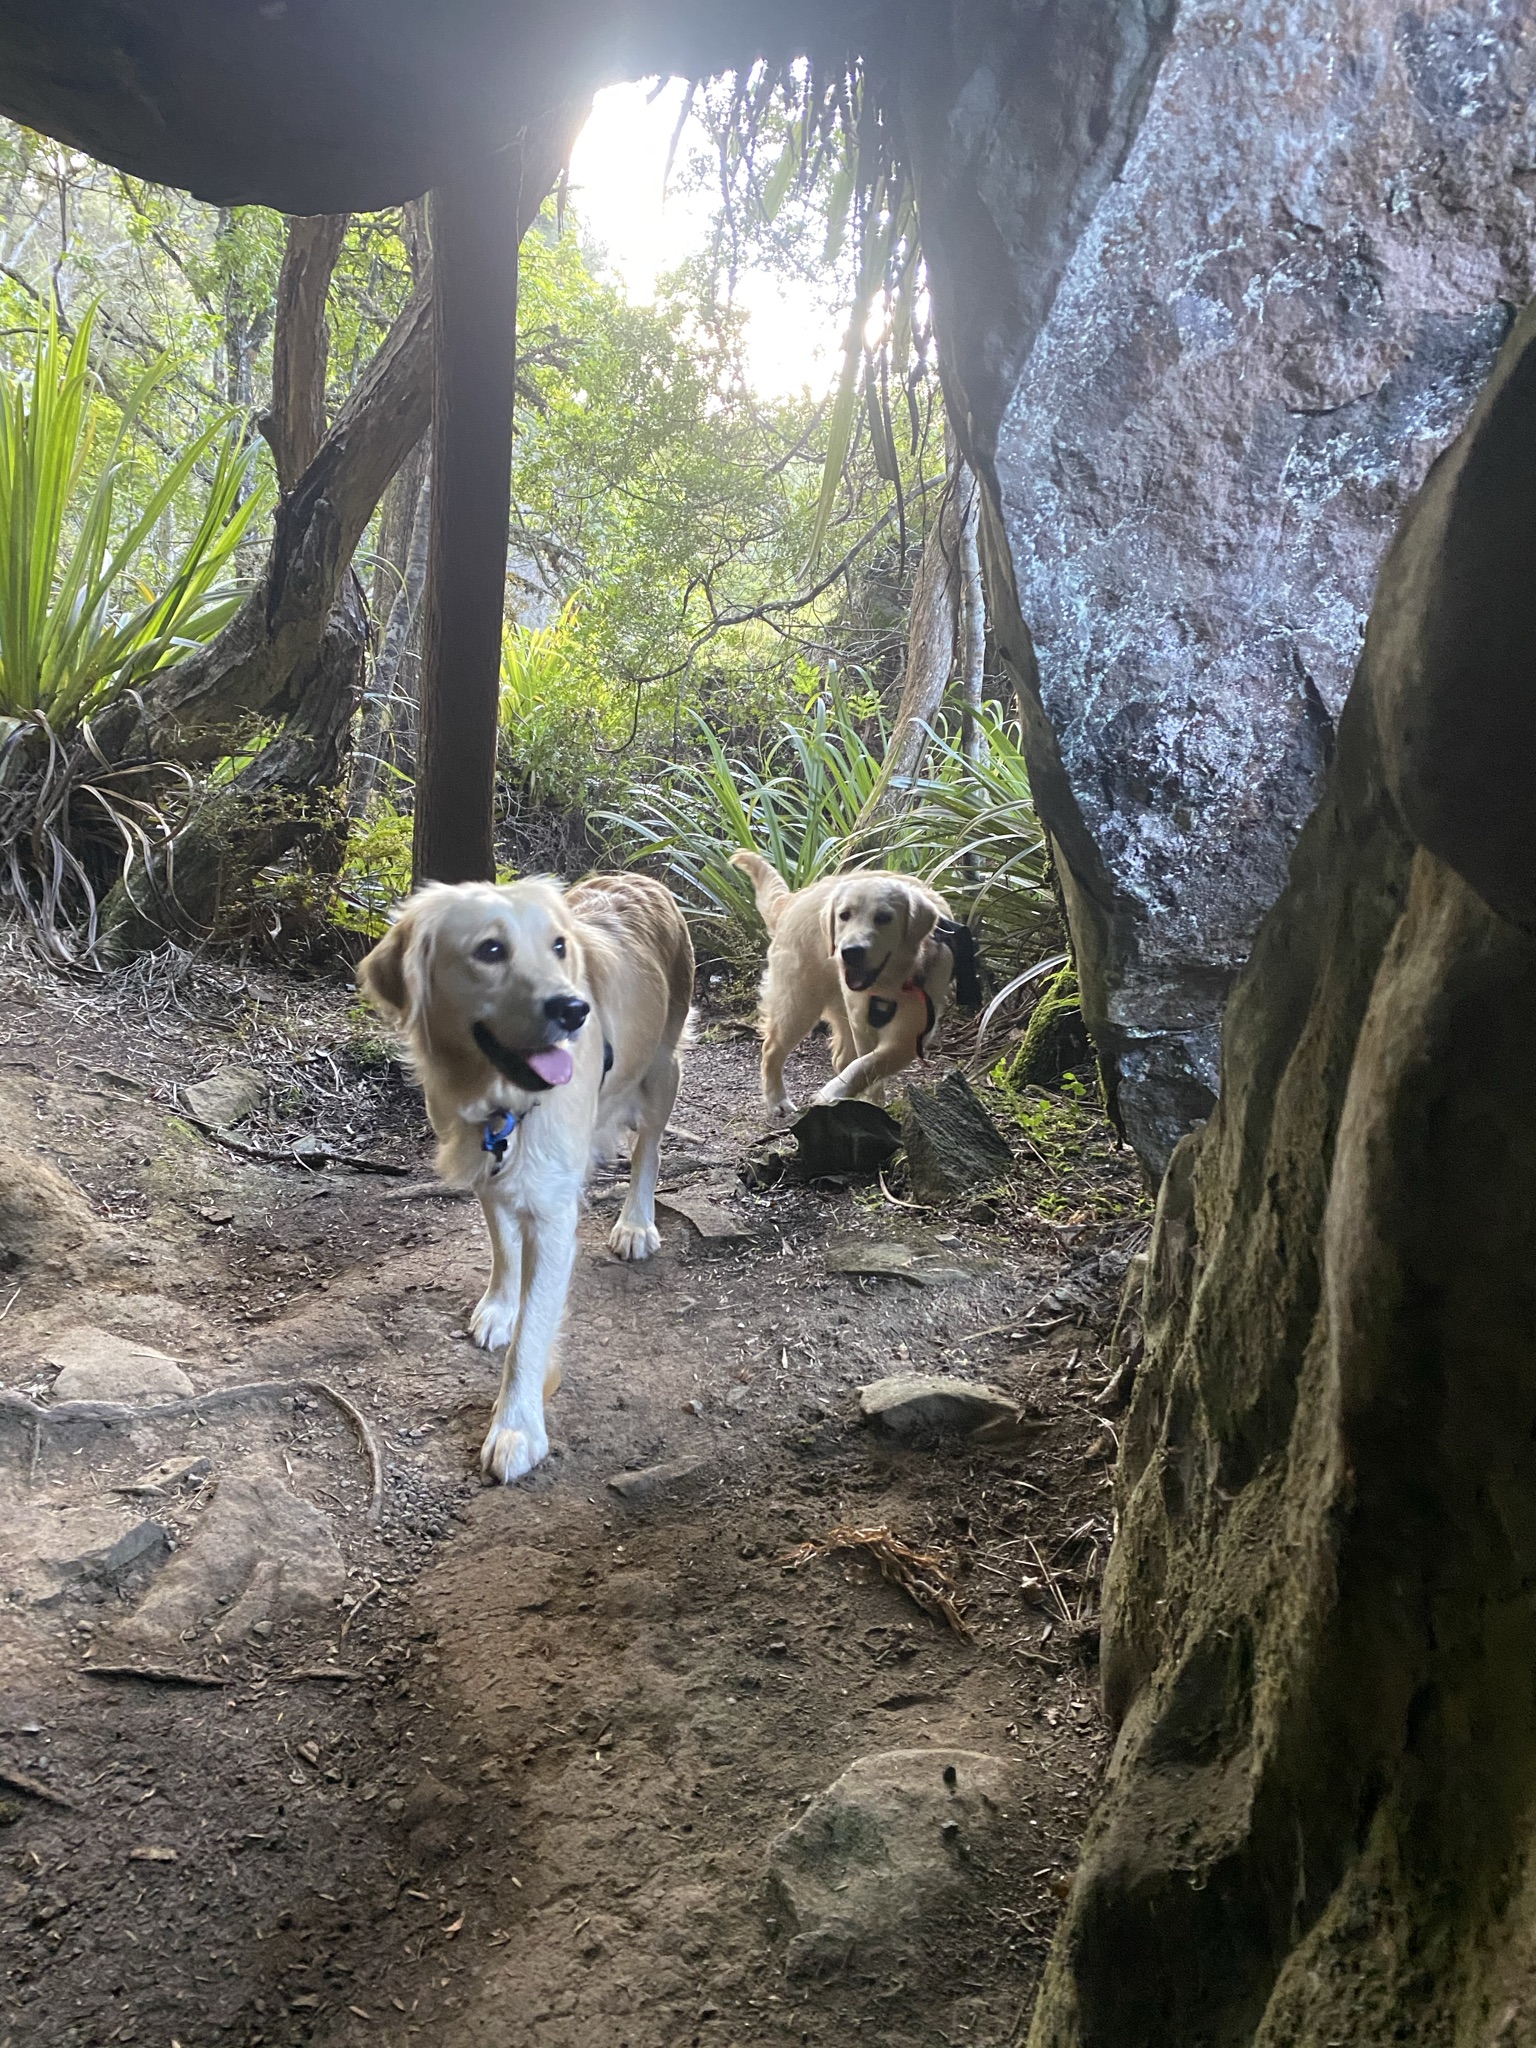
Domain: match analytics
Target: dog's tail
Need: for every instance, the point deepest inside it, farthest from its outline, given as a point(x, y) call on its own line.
point(768, 885)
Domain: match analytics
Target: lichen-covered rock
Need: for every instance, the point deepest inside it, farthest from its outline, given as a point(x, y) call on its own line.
point(1318, 1633)
point(1055, 1040)
point(1200, 414)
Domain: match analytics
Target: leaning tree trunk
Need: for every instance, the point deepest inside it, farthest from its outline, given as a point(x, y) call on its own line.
point(475, 236)
point(398, 591)
point(188, 713)
point(931, 626)
point(281, 800)
point(294, 423)
point(973, 621)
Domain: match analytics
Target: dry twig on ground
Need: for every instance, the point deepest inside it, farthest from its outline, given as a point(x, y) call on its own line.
point(923, 1575)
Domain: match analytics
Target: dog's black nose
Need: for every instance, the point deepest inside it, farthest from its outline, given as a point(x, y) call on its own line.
point(569, 1012)
point(853, 956)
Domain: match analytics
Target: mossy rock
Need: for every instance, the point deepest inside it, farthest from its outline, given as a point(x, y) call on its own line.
point(1056, 1041)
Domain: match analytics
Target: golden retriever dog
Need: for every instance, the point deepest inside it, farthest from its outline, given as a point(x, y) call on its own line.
point(874, 953)
point(541, 1023)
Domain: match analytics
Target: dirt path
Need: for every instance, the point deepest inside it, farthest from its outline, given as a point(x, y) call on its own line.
point(507, 1768)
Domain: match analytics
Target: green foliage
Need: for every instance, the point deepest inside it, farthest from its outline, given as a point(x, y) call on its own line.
point(1068, 1138)
point(376, 872)
point(83, 519)
point(813, 144)
point(969, 828)
point(1055, 1042)
point(796, 801)
point(670, 508)
point(559, 723)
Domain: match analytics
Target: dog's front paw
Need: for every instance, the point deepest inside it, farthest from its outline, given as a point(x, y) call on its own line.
point(509, 1453)
point(633, 1240)
point(833, 1092)
point(492, 1322)
point(781, 1111)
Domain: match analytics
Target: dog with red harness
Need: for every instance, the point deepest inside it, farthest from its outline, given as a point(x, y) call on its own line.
point(874, 954)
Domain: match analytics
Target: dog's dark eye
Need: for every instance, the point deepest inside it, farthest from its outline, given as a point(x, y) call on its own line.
point(882, 917)
point(843, 916)
point(490, 949)
point(559, 949)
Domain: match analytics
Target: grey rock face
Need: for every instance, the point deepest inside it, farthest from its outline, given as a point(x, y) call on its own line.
point(1317, 1602)
point(1276, 317)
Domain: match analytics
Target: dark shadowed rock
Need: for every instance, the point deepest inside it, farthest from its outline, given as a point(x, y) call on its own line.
point(122, 1567)
point(831, 1138)
point(953, 1146)
point(1277, 315)
point(1319, 1641)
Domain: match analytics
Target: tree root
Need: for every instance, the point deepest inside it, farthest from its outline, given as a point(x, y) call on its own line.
point(40, 1415)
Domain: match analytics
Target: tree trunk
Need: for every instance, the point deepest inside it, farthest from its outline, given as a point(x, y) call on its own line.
point(282, 798)
point(475, 235)
point(294, 425)
point(295, 649)
point(412, 489)
point(931, 628)
point(188, 713)
point(284, 654)
point(973, 621)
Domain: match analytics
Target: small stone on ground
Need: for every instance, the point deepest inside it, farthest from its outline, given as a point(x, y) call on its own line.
point(95, 1365)
point(902, 1261)
point(654, 1480)
point(706, 1211)
point(896, 1836)
point(226, 1098)
point(910, 1401)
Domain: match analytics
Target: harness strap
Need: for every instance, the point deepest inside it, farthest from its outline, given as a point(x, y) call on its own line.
point(499, 1132)
point(961, 943)
point(882, 1009)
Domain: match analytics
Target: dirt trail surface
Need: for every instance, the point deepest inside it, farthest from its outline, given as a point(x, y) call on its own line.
point(569, 1764)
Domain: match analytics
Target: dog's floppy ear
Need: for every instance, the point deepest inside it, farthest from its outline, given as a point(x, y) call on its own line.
point(381, 973)
point(922, 916)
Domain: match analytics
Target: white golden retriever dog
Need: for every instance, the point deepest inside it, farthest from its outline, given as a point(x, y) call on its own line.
point(541, 1024)
point(874, 953)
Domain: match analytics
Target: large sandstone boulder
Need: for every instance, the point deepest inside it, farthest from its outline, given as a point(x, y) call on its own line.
point(1319, 1638)
point(1201, 397)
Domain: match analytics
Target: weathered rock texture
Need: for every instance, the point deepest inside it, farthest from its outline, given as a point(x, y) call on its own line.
point(1199, 411)
point(1319, 1635)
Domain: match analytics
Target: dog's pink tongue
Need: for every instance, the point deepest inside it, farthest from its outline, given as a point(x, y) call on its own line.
point(553, 1065)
